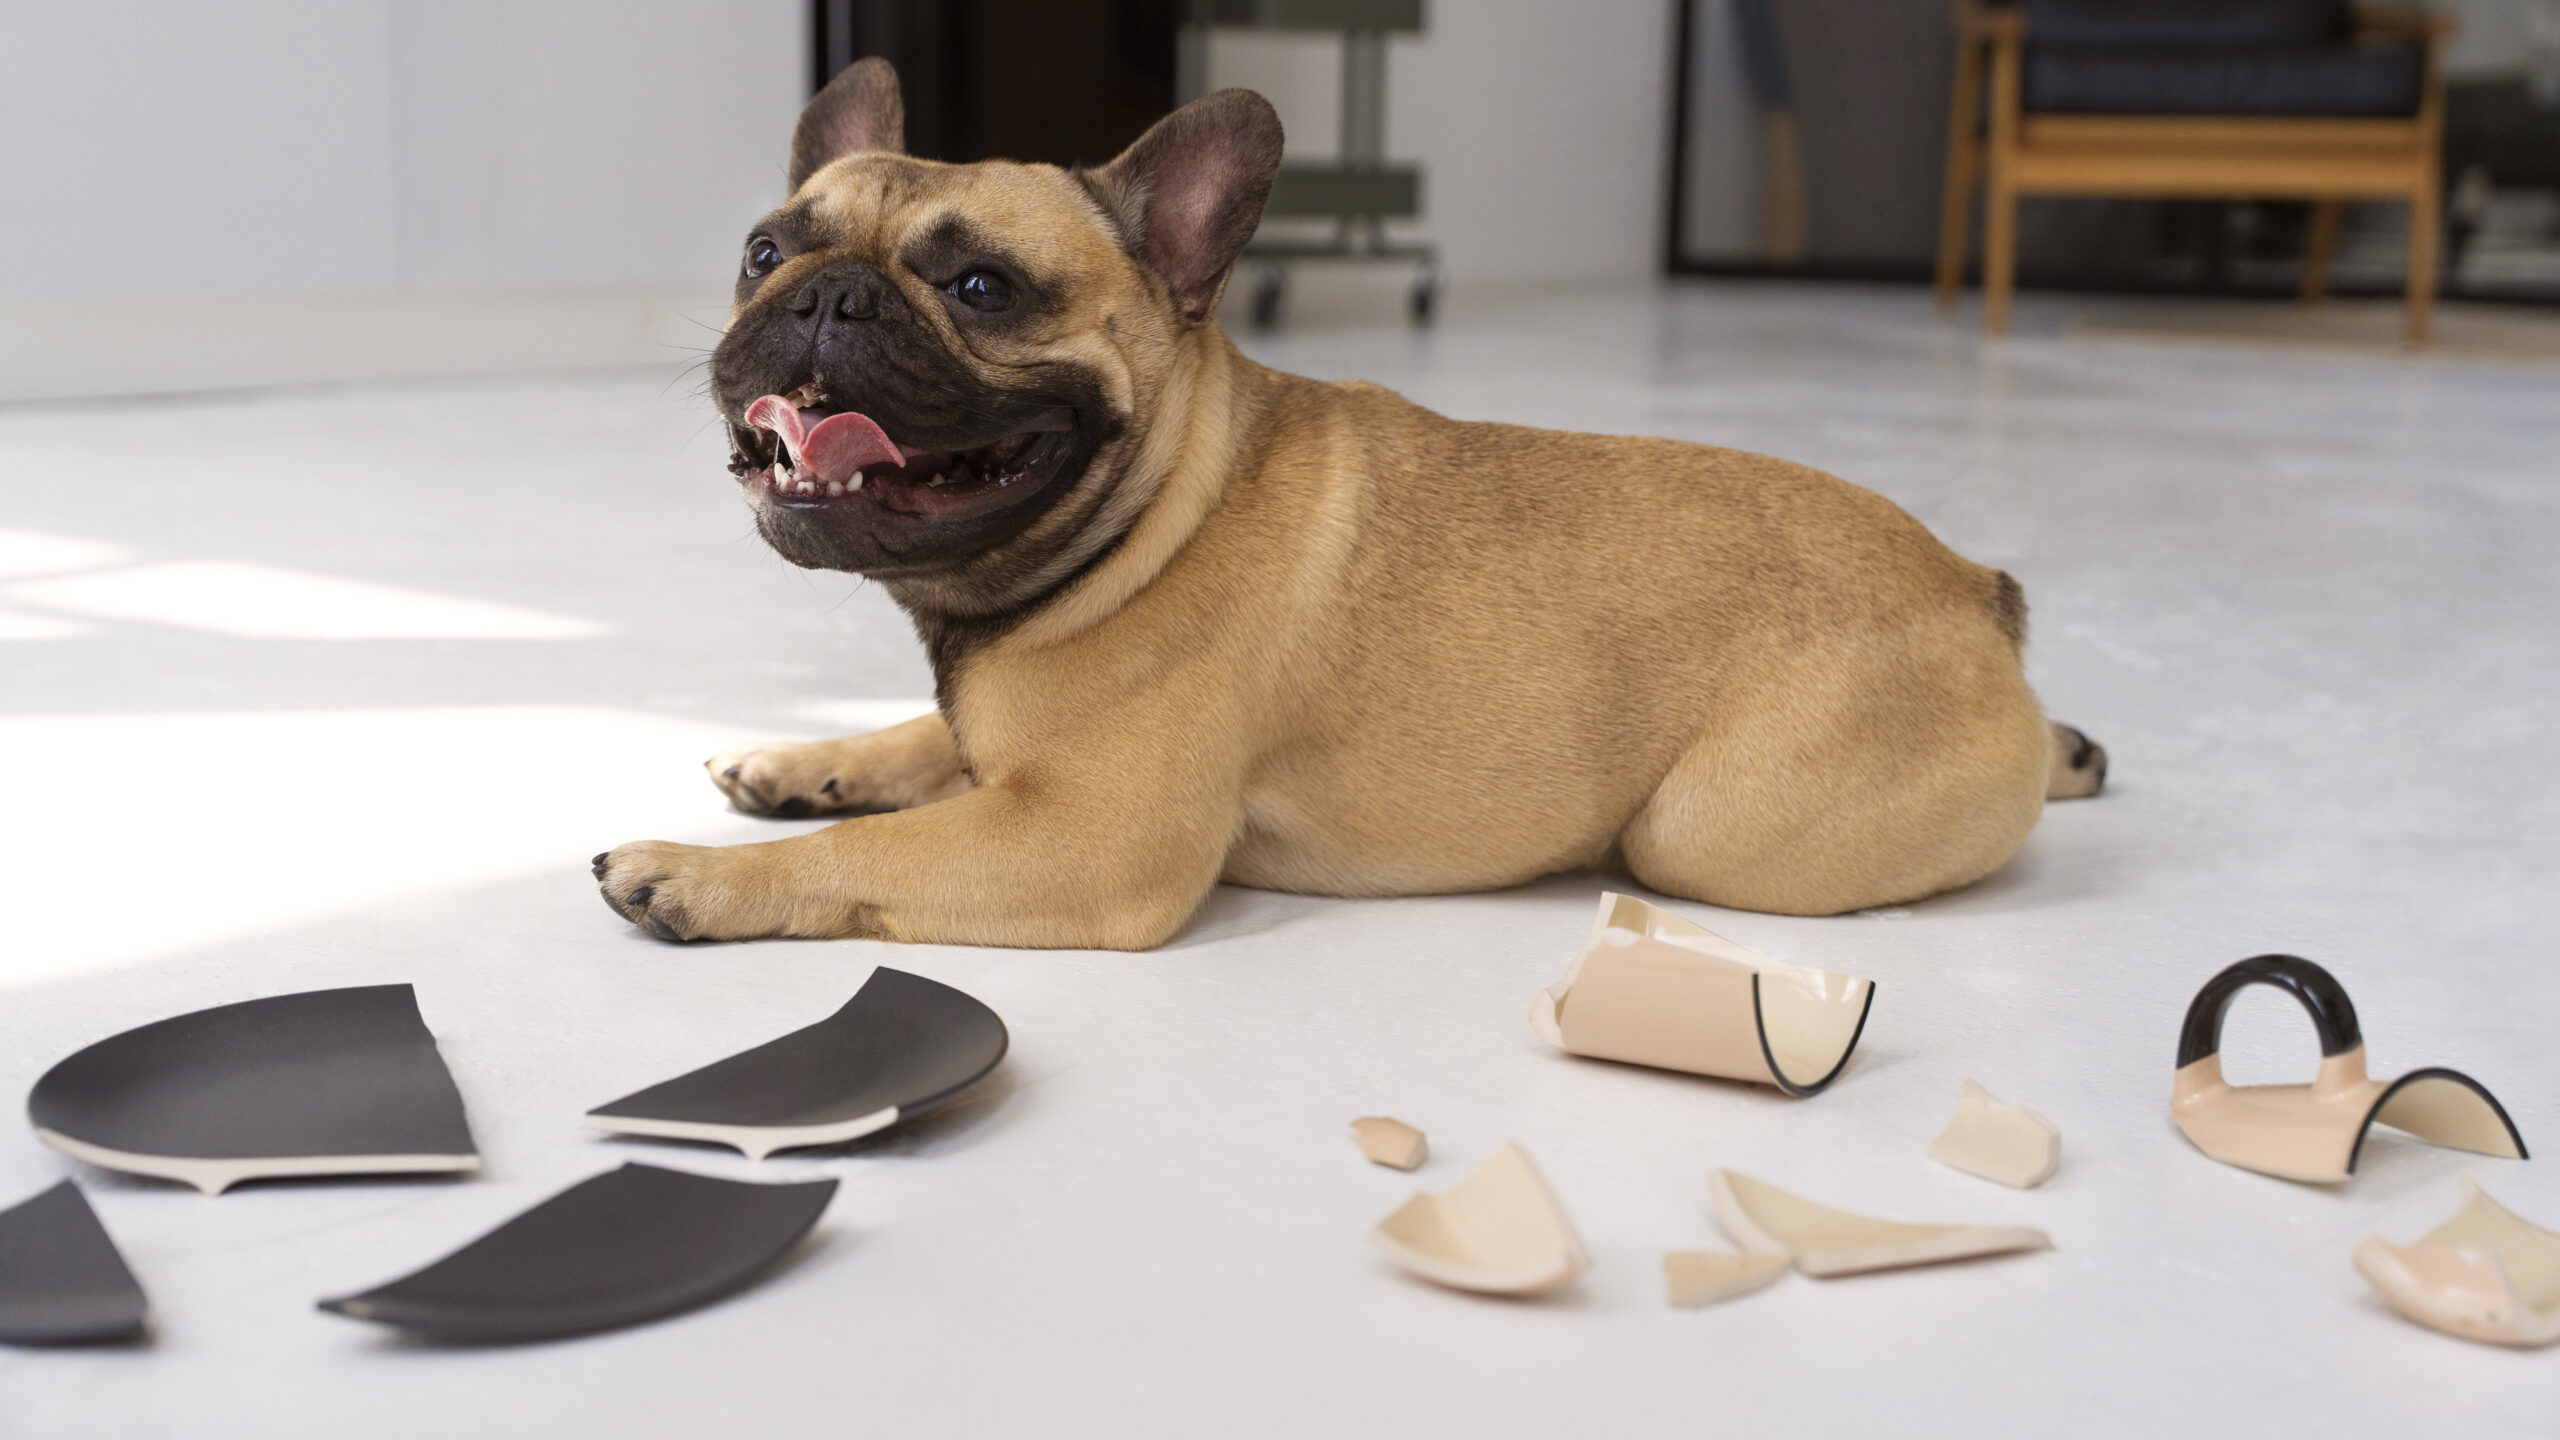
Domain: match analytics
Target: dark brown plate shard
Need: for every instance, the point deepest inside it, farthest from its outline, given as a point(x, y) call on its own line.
point(629, 1245)
point(326, 1082)
point(901, 1046)
point(62, 1281)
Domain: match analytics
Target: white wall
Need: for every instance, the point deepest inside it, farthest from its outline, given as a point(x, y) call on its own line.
point(365, 189)
point(1541, 127)
point(158, 146)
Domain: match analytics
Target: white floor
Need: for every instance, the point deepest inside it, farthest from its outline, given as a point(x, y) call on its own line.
point(2306, 597)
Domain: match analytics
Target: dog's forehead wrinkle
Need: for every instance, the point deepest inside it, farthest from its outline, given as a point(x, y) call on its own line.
point(860, 193)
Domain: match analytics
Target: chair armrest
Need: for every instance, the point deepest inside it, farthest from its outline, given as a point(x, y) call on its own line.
point(1979, 22)
point(2430, 26)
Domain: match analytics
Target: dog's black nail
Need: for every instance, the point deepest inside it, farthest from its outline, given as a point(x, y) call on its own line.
point(598, 864)
point(731, 773)
point(829, 788)
point(640, 896)
point(795, 808)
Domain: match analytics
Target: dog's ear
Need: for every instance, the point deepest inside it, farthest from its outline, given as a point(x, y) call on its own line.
point(859, 110)
point(1189, 192)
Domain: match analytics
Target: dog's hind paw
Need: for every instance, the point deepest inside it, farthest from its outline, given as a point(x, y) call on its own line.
point(787, 779)
point(2079, 765)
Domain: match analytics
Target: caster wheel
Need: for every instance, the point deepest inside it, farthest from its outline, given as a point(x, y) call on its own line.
point(1270, 287)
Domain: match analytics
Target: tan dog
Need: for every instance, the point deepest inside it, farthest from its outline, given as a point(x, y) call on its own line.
point(1191, 619)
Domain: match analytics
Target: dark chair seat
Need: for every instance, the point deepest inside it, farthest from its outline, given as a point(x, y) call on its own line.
point(2186, 24)
point(2331, 80)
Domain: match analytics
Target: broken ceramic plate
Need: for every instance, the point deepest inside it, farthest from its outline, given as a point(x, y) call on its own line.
point(2487, 1274)
point(612, 1250)
point(1390, 1142)
point(2315, 1132)
point(1694, 1278)
point(1823, 1241)
point(901, 1046)
point(1499, 1231)
point(1650, 988)
point(1998, 1141)
point(326, 1082)
point(62, 1281)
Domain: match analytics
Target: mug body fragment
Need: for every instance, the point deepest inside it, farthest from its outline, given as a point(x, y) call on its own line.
point(1650, 988)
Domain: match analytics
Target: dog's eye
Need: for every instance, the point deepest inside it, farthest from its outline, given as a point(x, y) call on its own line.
point(762, 256)
point(981, 290)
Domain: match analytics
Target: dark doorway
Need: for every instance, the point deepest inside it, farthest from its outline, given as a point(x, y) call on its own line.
point(1064, 81)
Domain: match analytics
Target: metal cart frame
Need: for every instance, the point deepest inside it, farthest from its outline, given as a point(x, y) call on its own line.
point(1362, 191)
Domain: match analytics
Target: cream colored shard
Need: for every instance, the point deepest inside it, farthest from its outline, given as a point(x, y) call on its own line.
point(1650, 988)
point(1390, 1142)
point(1692, 1278)
point(1499, 1231)
point(1998, 1141)
point(1824, 1241)
point(2487, 1274)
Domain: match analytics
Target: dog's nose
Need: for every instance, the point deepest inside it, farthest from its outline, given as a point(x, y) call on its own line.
point(848, 291)
point(861, 297)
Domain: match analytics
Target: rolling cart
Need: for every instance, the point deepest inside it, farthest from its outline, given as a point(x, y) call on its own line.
point(1361, 192)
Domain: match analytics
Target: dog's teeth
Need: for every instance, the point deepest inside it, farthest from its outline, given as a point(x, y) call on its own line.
point(835, 487)
point(853, 484)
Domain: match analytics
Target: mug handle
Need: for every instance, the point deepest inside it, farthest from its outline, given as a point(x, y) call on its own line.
point(2333, 1015)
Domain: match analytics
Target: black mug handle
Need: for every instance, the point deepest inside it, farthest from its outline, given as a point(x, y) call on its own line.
point(2333, 1015)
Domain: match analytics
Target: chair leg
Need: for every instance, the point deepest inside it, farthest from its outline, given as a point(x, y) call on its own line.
point(1964, 164)
point(1955, 221)
point(1999, 255)
point(2424, 221)
point(2319, 250)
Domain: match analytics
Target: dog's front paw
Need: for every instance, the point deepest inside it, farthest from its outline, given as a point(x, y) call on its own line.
point(786, 779)
point(675, 892)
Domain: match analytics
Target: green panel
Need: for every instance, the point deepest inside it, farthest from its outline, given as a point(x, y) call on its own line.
point(1390, 191)
point(1400, 15)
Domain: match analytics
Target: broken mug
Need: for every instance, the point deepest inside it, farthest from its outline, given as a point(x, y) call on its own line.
point(2315, 1132)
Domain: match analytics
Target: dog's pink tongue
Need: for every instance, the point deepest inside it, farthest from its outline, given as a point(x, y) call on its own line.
point(831, 450)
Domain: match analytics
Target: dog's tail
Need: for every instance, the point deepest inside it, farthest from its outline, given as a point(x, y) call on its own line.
point(2079, 765)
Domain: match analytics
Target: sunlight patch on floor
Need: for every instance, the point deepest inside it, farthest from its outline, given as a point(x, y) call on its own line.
point(133, 835)
point(27, 625)
point(29, 552)
point(854, 717)
point(260, 602)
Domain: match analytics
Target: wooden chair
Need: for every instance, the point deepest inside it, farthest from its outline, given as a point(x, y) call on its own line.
point(2012, 150)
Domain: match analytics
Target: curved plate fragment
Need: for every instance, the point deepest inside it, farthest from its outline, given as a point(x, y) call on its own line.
point(2001, 1142)
point(62, 1280)
point(1823, 1241)
point(326, 1082)
point(2486, 1274)
point(901, 1046)
point(1650, 988)
point(1499, 1231)
point(1692, 1278)
point(2316, 1132)
point(612, 1250)
point(1391, 1142)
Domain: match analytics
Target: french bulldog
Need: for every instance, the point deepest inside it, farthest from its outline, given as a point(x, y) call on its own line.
point(1192, 620)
